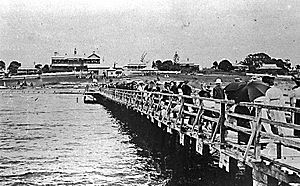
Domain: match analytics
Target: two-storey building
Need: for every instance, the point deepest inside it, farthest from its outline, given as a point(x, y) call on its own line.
point(76, 62)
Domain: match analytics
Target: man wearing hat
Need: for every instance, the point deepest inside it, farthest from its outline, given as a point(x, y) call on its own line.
point(140, 86)
point(218, 91)
point(187, 90)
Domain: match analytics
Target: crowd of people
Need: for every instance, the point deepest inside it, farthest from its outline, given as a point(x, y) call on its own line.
point(172, 87)
point(272, 96)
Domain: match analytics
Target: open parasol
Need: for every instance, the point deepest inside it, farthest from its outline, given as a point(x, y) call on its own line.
point(246, 92)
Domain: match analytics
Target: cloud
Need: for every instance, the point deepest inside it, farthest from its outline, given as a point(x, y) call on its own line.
point(122, 30)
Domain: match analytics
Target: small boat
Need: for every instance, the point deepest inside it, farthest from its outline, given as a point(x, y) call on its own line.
point(89, 99)
point(3, 87)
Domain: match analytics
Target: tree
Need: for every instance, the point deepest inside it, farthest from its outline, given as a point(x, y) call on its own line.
point(45, 68)
point(215, 65)
point(254, 61)
point(225, 65)
point(166, 65)
point(38, 66)
point(13, 67)
point(176, 57)
point(157, 64)
point(2, 65)
point(282, 64)
point(153, 64)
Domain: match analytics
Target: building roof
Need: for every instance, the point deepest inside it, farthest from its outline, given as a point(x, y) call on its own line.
point(97, 66)
point(91, 56)
point(66, 65)
point(27, 68)
point(269, 67)
point(239, 65)
point(149, 69)
point(186, 63)
point(135, 64)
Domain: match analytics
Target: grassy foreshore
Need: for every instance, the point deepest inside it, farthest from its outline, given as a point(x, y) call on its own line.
point(195, 80)
point(45, 81)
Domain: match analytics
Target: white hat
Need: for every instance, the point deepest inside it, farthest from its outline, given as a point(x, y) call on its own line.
point(218, 81)
point(159, 83)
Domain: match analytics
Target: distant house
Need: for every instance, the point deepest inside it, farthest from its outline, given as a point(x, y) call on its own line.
point(240, 68)
point(135, 66)
point(269, 69)
point(28, 71)
point(75, 62)
point(111, 72)
point(188, 66)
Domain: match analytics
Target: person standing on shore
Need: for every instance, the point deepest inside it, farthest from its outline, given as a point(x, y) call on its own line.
point(218, 91)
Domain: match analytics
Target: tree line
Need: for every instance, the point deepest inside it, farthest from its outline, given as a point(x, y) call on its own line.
point(254, 62)
point(15, 65)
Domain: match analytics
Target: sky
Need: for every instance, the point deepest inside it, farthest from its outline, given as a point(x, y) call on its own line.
point(121, 30)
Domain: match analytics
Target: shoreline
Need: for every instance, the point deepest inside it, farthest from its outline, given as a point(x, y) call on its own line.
point(195, 80)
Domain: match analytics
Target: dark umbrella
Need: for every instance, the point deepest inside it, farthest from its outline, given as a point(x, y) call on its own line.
point(234, 86)
point(256, 89)
point(246, 92)
point(232, 90)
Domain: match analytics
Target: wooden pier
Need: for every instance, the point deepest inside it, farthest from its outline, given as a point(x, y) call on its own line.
point(212, 127)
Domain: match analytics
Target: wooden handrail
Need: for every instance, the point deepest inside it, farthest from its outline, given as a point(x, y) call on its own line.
point(151, 101)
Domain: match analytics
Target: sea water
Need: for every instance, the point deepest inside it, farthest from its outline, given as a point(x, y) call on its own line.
point(56, 139)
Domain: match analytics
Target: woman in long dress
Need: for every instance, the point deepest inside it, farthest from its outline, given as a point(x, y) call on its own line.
point(274, 96)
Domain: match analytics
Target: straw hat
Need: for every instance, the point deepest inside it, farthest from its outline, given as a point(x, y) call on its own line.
point(218, 81)
point(159, 83)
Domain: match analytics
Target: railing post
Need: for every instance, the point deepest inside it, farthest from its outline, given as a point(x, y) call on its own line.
point(180, 113)
point(168, 110)
point(222, 121)
point(199, 114)
point(257, 146)
point(158, 104)
point(255, 132)
point(141, 102)
point(150, 104)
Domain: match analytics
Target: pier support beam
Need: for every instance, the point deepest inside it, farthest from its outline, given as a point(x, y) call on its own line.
point(259, 178)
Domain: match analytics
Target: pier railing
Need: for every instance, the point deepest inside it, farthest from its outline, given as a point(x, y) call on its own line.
point(222, 126)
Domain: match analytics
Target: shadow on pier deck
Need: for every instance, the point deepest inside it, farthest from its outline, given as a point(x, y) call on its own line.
point(213, 130)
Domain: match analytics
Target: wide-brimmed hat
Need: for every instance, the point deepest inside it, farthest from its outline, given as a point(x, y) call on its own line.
point(218, 81)
point(159, 83)
point(237, 79)
point(141, 82)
